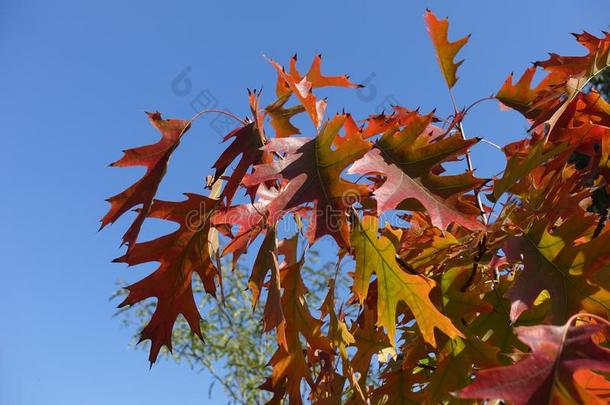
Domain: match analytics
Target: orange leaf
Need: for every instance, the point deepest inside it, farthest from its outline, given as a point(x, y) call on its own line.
point(445, 50)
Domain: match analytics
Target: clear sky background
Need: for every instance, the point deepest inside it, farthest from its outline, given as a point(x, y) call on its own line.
point(75, 80)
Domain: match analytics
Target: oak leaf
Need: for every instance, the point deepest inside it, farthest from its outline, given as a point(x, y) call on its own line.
point(180, 254)
point(409, 159)
point(290, 365)
point(546, 375)
point(155, 158)
point(247, 141)
point(302, 87)
point(251, 219)
point(313, 169)
point(377, 255)
point(397, 388)
point(519, 165)
point(555, 260)
point(369, 341)
point(446, 50)
point(566, 78)
point(280, 117)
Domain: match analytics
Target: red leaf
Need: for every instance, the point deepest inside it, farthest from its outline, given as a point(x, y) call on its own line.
point(554, 261)
point(179, 255)
point(247, 142)
point(407, 159)
point(546, 375)
point(312, 169)
point(154, 157)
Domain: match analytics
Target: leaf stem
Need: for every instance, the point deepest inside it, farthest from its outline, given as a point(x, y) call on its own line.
point(492, 97)
point(206, 111)
point(495, 145)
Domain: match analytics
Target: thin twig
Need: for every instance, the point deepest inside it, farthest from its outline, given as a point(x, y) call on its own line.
point(482, 247)
point(226, 386)
point(492, 97)
point(212, 110)
point(495, 145)
point(469, 164)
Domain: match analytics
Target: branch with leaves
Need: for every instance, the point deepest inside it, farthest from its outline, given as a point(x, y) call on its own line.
point(451, 301)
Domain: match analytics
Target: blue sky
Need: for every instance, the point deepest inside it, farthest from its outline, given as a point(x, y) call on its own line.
point(75, 80)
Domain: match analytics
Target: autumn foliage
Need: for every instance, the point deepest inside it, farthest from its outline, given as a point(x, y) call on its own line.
point(485, 289)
